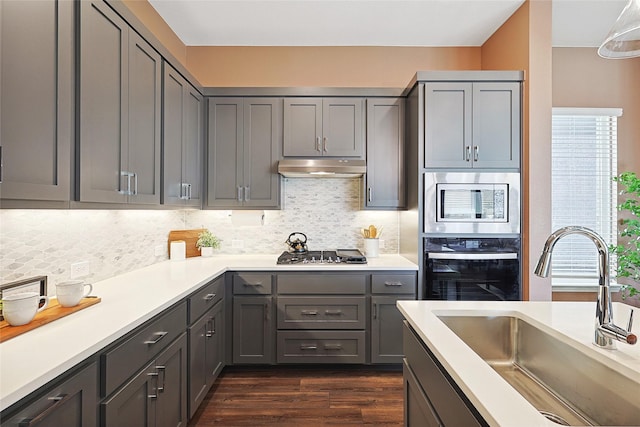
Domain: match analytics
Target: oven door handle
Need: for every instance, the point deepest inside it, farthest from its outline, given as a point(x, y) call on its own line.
point(473, 255)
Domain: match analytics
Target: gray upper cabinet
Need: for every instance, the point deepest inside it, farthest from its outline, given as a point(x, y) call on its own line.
point(119, 112)
point(182, 141)
point(472, 125)
point(245, 137)
point(36, 120)
point(385, 178)
point(315, 127)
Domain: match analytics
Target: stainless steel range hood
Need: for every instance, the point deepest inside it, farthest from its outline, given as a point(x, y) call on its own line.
point(322, 168)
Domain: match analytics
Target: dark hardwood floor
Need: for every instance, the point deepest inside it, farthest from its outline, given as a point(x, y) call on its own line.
point(303, 396)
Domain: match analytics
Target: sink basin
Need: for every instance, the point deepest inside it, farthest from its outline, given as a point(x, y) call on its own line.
point(565, 384)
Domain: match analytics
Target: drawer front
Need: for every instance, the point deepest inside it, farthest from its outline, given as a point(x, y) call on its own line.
point(251, 284)
point(393, 283)
point(321, 347)
point(321, 312)
point(205, 298)
point(319, 282)
point(129, 356)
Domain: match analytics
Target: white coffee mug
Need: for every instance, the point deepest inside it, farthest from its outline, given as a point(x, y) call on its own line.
point(20, 309)
point(70, 292)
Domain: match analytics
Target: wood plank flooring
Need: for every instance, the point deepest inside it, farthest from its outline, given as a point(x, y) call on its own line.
point(303, 396)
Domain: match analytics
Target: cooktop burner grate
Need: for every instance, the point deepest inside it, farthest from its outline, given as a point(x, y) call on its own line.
point(340, 256)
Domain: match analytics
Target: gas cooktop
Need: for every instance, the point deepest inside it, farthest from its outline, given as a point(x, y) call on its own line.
point(339, 256)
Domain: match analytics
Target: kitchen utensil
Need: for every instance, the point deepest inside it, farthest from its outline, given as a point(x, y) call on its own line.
point(297, 244)
point(70, 292)
point(373, 231)
point(20, 309)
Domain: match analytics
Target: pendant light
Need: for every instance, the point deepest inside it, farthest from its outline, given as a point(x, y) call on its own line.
point(623, 41)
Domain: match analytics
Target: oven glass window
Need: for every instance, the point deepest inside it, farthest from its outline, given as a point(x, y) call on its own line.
point(480, 202)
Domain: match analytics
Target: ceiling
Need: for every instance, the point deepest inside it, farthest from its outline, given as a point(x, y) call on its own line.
point(576, 23)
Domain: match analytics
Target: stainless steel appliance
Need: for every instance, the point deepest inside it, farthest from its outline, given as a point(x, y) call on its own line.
point(483, 269)
point(339, 256)
point(475, 202)
point(297, 242)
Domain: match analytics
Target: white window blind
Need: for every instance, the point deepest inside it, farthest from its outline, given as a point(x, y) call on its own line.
point(584, 159)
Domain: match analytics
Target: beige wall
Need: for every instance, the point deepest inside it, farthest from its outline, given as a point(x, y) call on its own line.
point(582, 79)
point(386, 67)
point(524, 43)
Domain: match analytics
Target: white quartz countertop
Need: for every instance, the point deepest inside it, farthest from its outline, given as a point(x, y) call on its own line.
point(495, 399)
point(30, 360)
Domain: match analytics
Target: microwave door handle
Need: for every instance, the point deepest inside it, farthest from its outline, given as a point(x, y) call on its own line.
point(473, 255)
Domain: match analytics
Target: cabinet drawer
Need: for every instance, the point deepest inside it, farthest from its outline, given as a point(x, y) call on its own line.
point(393, 284)
point(321, 347)
point(251, 283)
point(322, 283)
point(321, 312)
point(119, 363)
point(205, 298)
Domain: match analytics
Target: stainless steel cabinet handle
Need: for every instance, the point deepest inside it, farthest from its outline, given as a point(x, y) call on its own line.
point(375, 310)
point(309, 312)
point(209, 297)
point(135, 183)
point(189, 191)
point(57, 402)
point(161, 370)
point(467, 156)
point(324, 145)
point(246, 193)
point(333, 346)
point(153, 374)
point(252, 284)
point(157, 337)
point(128, 175)
point(393, 283)
point(318, 143)
point(267, 315)
point(213, 326)
point(239, 194)
point(333, 312)
point(209, 332)
point(476, 151)
point(308, 347)
point(369, 194)
point(184, 191)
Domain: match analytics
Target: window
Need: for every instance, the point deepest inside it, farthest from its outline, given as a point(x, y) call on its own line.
point(584, 159)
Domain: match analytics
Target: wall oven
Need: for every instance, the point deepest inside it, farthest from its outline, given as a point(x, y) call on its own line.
point(482, 269)
point(464, 203)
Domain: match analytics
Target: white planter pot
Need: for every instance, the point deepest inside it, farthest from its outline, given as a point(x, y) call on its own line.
point(206, 251)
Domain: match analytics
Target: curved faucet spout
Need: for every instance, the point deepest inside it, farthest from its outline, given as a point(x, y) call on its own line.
point(605, 330)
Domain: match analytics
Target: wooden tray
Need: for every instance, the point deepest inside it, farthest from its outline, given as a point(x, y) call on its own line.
point(190, 237)
point(54, 312)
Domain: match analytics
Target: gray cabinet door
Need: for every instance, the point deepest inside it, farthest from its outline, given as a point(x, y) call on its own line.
point(385, 179)
point(205, 354)
point(36, 120)
point(303, 127)
point(496, 125)
point(102, 112)
point(448, 124)
point(386, 329)
point(171, 386)
point(262, 142)
point(342, 127)
point(141, 153)
point(73, 402)
point(418, 411)
point(182, 111)
point(253, 333)
point(134, 405)
point(225, 152)
point(244, 149)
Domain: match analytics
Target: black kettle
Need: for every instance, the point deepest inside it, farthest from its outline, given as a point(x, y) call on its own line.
point(296, 244)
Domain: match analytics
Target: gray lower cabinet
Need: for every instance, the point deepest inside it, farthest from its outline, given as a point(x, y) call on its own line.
point(472, 124)
point(206, 341)
point(386, 319)
point(155, 396)
point(36, 113)
point(385, 178)
point(119, 111)
point(431, 396)
point(245, 140)
point(318, 127)
point(70, 402)
point(253, 333)
point(182, 141)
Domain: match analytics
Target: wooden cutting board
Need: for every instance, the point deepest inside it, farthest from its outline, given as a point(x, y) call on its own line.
point(190, 237)
point(53, 312)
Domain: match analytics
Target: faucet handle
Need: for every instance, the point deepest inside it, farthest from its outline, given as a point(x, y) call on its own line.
point(631, 338)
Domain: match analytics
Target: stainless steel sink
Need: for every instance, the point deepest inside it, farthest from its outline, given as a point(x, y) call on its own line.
point(556, 378)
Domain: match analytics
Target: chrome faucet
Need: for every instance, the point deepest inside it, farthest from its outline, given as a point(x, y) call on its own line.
point(605, 330)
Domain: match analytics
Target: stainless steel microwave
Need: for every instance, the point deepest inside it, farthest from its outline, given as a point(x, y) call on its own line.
point(476, 202)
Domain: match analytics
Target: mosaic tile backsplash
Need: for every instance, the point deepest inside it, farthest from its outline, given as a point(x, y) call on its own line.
point(47, 242)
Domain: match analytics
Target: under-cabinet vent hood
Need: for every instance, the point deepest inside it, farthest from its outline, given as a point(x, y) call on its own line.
point(322, 168)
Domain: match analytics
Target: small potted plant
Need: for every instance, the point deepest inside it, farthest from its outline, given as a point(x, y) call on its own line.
point(207, 242)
